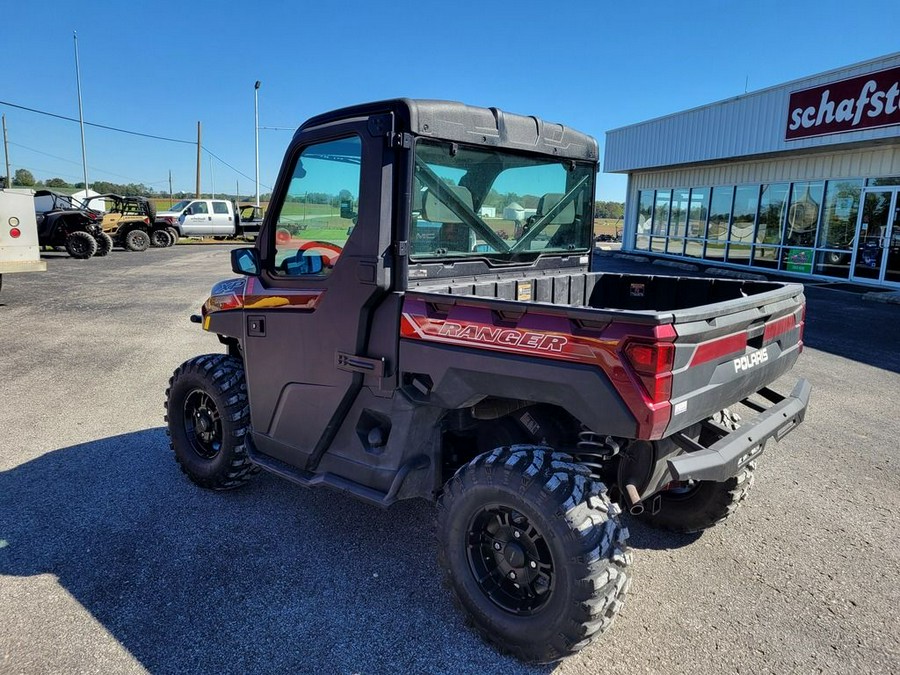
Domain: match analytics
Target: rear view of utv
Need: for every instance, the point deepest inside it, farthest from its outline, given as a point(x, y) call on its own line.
point(442, 337)
point(63, 221)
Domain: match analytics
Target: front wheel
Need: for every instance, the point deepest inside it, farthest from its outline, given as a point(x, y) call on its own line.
point(208, 419)
point(699, 506)
point(534, 551)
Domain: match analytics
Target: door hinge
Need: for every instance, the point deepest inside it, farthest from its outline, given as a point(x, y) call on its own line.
point(401, 249)
point(400, 140)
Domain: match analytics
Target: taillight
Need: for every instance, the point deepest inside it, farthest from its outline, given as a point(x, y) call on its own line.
point(15, 233)
point(801, 326)
point(652, 362)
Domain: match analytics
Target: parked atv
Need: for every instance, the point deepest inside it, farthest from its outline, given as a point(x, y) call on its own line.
point(130, 222)
point(65, 222)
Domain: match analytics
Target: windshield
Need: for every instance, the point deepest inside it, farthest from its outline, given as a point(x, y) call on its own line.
point(180, 206)
point(490, 203)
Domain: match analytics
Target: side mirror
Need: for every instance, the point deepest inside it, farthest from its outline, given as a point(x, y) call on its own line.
point(188, 211)
point(245, 261)
point(303, 263)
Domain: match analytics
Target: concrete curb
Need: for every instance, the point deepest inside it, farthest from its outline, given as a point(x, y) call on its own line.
point(687, 267)
point(734, 274)
point(629, 256)
point(890, 298)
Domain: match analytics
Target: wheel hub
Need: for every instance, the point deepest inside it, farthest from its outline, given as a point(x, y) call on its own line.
point(510, 560)
point(514, 554)
point(202, 424)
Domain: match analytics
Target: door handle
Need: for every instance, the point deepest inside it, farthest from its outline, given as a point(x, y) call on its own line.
point(209, 217)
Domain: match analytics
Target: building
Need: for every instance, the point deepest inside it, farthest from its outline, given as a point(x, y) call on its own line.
point(802, 178)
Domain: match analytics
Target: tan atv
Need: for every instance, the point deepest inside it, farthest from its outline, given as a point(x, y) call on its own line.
point(129, 221)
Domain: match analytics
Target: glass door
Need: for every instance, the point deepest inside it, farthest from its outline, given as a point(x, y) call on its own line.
point(878, 237)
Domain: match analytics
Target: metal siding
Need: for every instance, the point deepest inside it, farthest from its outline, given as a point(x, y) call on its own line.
point(868, 163)
point(750, 124)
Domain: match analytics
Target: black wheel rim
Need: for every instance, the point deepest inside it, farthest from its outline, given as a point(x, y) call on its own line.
point(78, 246)
point(510, 560)
point(203, 424)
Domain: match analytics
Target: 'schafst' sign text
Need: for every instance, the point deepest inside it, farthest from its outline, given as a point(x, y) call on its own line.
point(871, 100)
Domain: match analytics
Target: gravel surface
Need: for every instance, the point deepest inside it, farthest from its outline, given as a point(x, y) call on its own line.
point(111, 561)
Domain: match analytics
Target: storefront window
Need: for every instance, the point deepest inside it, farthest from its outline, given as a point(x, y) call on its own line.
point(766, 256)
point(697, 213)
point(841, 208)
point(803, 214)
point(890, 180)
point(660, 220)
point(644, 219)
point(743, 223)
point(719, 218)
point(678, 220)
point(772, 209)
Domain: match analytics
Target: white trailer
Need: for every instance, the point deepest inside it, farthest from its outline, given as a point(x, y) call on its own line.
point(19, 250)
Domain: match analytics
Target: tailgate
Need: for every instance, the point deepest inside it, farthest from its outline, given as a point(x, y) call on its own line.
point(726, 355)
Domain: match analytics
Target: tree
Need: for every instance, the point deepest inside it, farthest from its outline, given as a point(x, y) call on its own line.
point(24, 178)
point(56, 183)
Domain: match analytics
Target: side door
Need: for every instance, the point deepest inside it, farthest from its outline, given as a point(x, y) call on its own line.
point(222, 223)
point(197, 219)
point(309, 312)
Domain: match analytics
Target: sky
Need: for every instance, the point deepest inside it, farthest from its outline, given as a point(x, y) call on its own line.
point(160, 67)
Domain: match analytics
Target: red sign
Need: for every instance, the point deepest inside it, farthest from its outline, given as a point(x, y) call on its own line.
point(862, 102)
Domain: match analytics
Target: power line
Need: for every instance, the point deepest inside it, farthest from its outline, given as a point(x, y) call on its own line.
point(132, 133)
point(99, 126)
point(71, 161)
point(232, 168)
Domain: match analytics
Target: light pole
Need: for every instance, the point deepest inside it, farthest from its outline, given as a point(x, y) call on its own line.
point(256, 115)
point(81, 117)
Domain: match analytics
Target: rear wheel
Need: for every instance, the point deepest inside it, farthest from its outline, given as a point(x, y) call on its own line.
point(81, 245)
point(208, 420)
point(172, 231)
point(534, 551)
point(104, 244)
point(160, 238)
point(137, 240)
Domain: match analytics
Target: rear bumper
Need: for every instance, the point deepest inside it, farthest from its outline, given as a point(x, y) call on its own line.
point(727, 456)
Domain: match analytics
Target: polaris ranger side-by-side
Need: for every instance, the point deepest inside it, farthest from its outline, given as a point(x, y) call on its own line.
point(418, 319)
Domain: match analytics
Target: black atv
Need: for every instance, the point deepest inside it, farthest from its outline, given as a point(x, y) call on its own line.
point(65, 222)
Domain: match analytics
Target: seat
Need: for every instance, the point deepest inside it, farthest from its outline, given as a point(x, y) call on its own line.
point(453, 234)
point(566, 235)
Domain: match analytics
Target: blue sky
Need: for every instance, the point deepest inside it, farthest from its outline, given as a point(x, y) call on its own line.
point(159, 67)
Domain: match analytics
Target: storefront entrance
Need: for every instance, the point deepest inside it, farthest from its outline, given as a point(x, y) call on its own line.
point(877, 255)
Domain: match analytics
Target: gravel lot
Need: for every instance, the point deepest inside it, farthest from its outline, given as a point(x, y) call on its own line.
point(111, 561)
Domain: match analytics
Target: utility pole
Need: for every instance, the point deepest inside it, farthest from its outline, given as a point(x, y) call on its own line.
point(256, 114)
point(197, 196)
point(6, 153)
point(171, 197)
point(81, 117)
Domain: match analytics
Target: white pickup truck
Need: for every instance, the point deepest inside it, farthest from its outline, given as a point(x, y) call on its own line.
point(211, 218)
point(19, 250)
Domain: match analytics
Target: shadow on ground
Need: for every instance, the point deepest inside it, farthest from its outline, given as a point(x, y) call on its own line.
point(268, 578)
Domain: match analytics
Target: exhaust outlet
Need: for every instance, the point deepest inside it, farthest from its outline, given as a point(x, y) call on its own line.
point(636, 508)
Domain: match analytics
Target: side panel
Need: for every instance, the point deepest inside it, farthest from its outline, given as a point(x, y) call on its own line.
point(462, 377)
